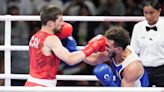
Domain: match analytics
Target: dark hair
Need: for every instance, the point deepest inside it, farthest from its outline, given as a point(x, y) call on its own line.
point(154, 3)
point(12, 8)
point(119, 35)
point(49, 13)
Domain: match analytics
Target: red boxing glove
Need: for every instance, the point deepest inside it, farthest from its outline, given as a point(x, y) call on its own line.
point(97, 43)
point(66, 30)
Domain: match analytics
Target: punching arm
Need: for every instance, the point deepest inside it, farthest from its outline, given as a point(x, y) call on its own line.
point(98, 43)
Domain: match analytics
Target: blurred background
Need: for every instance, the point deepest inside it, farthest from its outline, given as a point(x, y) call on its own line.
point(83, 31)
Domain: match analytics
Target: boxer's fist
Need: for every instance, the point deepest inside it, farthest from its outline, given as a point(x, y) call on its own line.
point(104, 73)
point(98, 43)
point(66, 30)
point(70, 43)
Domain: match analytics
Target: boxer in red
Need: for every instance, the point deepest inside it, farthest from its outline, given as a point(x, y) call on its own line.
point(46, 49)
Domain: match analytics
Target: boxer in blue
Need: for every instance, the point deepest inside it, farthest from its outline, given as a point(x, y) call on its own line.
point(125, 63)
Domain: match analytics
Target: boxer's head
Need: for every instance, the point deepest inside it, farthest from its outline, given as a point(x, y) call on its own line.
point(51, 17)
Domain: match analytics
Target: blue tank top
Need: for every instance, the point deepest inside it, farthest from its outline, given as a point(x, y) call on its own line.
point(118, 68)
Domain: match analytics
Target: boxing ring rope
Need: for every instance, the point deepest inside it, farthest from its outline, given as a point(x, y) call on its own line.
point(75, 18)
point(7, 48)
point(58, 77)
point(78, 89)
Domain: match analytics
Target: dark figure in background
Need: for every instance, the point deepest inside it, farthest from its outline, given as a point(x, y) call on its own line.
point(19, 36)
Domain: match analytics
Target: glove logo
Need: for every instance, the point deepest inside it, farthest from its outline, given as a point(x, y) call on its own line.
point(107, 77)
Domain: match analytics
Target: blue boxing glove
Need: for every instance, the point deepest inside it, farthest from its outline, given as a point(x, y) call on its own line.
point(104, 73)
point(70, 43)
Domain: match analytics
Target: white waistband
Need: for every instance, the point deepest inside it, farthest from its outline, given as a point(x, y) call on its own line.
point(45, 82)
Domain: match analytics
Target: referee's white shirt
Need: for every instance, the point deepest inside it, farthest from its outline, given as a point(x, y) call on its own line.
point(149, 44)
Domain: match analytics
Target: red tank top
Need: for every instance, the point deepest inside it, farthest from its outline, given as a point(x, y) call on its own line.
point(41, 66)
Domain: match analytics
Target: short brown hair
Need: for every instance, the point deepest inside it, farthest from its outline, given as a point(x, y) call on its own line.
point(49, 13)
point(119, 35)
